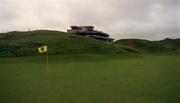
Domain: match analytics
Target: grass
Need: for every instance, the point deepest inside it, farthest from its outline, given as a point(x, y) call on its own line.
point(84, 70)
point(18, 44)
point(146, 46)
point(91, 79)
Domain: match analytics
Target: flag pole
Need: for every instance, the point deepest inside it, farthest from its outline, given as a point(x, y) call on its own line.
point(44, 49)
point(47, 64)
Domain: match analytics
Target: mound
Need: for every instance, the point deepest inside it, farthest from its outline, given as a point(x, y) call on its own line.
point(171, 42)
point(26, 44)
point(144, 46)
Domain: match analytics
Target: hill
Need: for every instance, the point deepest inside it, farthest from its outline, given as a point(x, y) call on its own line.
point(26, 43)
point(145, 46)
point(171, 42)
point(14, 44)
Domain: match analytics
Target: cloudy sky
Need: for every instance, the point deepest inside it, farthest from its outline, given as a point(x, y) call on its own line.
point(148, 19)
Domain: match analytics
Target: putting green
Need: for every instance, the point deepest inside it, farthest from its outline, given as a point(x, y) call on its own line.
point(91, 79)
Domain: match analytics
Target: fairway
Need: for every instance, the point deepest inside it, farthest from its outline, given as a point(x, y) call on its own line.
point(90, 79)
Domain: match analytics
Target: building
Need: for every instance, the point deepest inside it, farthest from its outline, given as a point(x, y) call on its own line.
point(89, 31)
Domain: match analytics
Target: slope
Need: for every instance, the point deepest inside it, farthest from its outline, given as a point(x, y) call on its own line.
point(144, 46)
point(59, 43)
point(171, 42)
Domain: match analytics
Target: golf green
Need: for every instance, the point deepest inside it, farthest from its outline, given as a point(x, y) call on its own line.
point(87, 79)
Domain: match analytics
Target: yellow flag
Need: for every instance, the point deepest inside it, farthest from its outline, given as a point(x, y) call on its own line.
point(42, 49)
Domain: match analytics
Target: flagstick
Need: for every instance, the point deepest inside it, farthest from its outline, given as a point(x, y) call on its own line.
point(47, 64)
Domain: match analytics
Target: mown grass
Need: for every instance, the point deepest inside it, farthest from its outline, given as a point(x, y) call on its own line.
point(91, 79)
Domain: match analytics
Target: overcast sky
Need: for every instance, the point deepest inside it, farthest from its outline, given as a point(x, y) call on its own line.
point(148, 19)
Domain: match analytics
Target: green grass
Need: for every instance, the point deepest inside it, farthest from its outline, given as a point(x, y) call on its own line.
point(16, 44)
point(91, 79)
point(175, 43)
point(146, 46)
point(26, 43)
point(84, 70)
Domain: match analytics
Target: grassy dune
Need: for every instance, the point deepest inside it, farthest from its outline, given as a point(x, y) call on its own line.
point(26, 43)
point(16, 44)
point(91, 79)
point(146, 46)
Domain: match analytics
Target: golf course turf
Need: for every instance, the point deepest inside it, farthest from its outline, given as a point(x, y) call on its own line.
point(91, 79)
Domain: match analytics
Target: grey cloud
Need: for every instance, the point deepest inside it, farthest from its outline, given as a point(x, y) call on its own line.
point(149, 19)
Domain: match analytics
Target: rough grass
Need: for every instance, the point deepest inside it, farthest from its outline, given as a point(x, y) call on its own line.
point(91, 79)
point(146, 46)
point(59, 43)
point(170, 42)
point(17, 44)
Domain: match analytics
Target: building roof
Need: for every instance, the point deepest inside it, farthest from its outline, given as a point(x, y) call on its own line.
point(82, 26)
